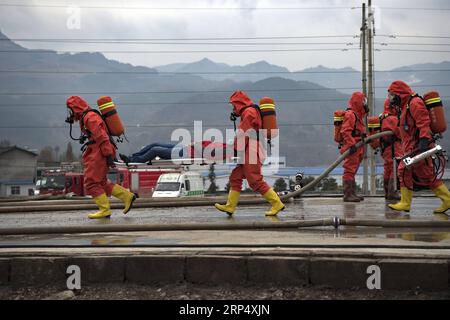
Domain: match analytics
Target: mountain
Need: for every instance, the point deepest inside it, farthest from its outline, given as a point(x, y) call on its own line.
point(152, 103)
point(34, 103)
point(346, 79)
point(211, 70)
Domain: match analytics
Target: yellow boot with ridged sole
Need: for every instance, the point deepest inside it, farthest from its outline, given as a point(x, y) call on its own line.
point(405, 200)
point(127, 197)
point(443, 194)
point(277, 206)
point(232, 202)
point(102, 202)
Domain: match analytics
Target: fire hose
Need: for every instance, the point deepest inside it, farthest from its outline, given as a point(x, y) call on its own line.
point(334, 222)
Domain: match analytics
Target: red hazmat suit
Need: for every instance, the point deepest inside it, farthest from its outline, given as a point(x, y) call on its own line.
point(389, 122)
point(248, 146)
point(210, 150)
point(414, 124)
point(352, 132)
point(96, 154)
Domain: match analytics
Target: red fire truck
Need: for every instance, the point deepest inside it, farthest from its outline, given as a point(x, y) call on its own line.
point(139, 178)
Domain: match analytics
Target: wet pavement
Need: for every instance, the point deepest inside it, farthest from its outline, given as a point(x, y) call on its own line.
point(304, 209)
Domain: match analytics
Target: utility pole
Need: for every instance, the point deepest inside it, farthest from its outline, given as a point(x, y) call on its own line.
point(371, 96)
point(363, 44)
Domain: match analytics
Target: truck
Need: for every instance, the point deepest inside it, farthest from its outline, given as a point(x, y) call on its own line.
point(139, 178)
point(179, 184)
point(59, 182)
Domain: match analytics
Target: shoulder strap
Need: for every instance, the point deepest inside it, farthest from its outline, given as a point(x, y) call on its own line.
point(408, 111)
point(103, 119)
point(86, 112)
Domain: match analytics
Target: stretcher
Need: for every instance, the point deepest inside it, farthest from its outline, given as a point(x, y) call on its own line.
point(182, 162)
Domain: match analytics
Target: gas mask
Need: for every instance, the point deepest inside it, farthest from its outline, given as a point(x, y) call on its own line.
point(233, 115)
point(366, 106)
point(70, 116)
point(395, 102)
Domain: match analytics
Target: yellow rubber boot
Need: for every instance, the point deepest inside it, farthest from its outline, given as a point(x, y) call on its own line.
point(103, 204)
point(126, 196)
point(232, 202)
point(405, 200)
point(443, 194)
point(275, 201)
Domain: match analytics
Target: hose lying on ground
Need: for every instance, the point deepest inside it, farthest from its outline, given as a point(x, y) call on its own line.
point(313, 183)
point(266, 225)
point(192, 202)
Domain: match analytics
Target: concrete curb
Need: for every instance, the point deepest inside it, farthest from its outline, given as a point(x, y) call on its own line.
point(395, 274)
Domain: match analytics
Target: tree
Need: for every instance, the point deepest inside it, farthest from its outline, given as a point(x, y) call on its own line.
point(280, 185)
point(46, 155)
point(212, 179)
point(307, 180)
point(69, 156)
point(329, 184)
point(57, 156)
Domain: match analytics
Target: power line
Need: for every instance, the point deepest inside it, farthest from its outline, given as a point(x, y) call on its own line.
point(199, 91)
point(413, 50)
point(412, 36)
point(215, 43)
point(180, 51)
point(138, 126)
point(139, 40)
point(411, 44)
point(415, 8)
point(131, 7)
point(174, 125)
point(40, 51)
point(125, 7)
point(182, 103)
point(213, 72)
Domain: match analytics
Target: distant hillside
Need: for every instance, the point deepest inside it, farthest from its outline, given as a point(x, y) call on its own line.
point(221, 71)
point(152, 104)
point(346, 79)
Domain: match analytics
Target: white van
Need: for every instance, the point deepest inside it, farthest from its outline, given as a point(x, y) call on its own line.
point(173, 185)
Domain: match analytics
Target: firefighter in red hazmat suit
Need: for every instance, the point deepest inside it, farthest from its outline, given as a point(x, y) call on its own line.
point(248, 145)
point(415, 135)
point(97, 158)
point(353, 131)
point(390, 147)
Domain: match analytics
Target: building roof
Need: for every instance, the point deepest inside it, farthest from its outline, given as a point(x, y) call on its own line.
point(11, 148)
point(16, 182)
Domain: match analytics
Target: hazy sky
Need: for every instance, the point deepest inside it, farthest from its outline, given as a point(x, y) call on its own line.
point(216, 19)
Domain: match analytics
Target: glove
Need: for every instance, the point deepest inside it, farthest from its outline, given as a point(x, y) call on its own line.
point(352, 150)
point(423, 144)
point(110, 161)
point(106, 149)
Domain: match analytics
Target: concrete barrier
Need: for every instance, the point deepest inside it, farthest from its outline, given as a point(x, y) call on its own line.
point(218, 269)
point(411, 274)
point(155, 269)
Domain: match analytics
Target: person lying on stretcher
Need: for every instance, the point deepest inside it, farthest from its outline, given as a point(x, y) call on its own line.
point(166, 151)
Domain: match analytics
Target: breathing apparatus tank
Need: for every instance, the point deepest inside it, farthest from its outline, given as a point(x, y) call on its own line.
point(110, 115)
point(374, 124)
point(269, 117)
point(338, 120)
point(435, 108)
